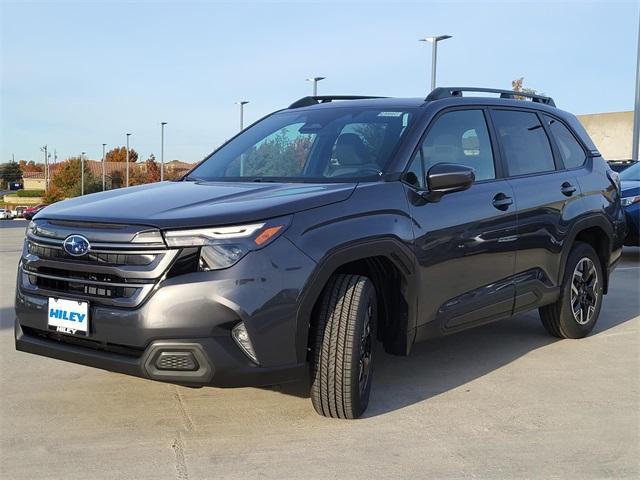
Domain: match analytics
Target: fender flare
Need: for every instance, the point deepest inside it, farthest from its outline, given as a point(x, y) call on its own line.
point(389, 247)
point(597, 220)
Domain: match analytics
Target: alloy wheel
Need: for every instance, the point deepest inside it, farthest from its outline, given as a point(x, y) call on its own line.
point(584, 291)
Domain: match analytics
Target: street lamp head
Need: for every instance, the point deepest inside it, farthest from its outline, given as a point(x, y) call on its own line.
point(315, 79)
point(128, 134)
point(435, 38)
point(242, 102)
point(163, 123)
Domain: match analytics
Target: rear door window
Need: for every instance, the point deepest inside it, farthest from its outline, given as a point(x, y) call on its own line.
point(524, 142)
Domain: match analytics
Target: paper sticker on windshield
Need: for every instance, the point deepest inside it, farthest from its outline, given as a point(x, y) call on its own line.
point(390, 114)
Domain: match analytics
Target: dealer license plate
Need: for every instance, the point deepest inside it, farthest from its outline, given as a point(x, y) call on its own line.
point(68, 316)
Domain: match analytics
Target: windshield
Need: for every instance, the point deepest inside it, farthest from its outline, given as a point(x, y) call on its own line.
point(333, 144)
point(631, 173)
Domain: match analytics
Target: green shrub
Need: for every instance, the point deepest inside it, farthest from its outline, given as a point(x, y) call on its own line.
point(30, 193)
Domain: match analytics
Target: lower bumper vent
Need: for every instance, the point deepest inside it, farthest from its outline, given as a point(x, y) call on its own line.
point(184, 361)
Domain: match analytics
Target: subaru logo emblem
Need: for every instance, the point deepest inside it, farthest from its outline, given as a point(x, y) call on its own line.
point(76, 245)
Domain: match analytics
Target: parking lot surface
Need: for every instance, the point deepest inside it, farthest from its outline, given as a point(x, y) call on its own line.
point(500, 401)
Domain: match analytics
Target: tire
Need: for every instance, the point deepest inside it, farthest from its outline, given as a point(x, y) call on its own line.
point(576, 311)
point(343, 347)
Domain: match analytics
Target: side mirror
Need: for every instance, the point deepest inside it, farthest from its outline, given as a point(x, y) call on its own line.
point(445, 178)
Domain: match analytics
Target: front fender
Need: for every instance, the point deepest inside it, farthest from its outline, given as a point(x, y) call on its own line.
point(373, 223)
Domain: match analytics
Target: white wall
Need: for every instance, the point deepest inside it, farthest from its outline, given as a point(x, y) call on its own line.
point(611, 132)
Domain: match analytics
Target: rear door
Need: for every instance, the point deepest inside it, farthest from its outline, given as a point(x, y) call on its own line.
point(547, 199)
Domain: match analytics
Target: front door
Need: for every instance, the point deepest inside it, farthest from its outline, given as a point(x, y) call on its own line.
point(465, 243)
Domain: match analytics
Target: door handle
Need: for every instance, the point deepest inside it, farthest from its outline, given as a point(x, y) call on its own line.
point(502, 202)
point(567, 189)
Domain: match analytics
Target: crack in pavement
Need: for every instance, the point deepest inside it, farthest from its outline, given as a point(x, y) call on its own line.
point(178, 444)
point(182, 409)
point(181, 464)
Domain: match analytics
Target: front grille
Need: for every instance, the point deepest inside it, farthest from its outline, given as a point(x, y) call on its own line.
point(91, 257)
point(117, 270)
point(85, 342)
point(74, 282)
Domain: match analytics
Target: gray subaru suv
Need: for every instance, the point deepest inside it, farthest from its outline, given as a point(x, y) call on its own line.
point(323, 230)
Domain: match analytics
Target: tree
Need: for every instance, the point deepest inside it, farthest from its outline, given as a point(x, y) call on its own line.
point(119, 154)
point(52, 195)
point(148, 172)
point(31, 166)
point(172, 174)
point(301, 149)
point(276, 156)
point(10, 172)
point(152, 169)
point(67, 179)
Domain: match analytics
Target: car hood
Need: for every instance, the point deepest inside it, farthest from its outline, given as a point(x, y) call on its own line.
point(630, 188)
point(197, 204)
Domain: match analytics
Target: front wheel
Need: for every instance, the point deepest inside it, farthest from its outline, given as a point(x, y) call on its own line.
point(576, 311)
point(343, 347)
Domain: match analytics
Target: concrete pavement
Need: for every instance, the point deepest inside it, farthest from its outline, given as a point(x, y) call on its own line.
point(501, 401)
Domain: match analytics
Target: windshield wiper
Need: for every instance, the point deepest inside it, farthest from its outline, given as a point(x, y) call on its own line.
point(262, 179)
point(189, 178)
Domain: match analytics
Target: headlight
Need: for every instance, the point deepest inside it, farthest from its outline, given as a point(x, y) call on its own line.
point(205, 236)
point(626, 201)
point(222, 247)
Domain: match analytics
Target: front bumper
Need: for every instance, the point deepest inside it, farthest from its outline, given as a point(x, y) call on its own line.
point(192, 314)
point(219, 365)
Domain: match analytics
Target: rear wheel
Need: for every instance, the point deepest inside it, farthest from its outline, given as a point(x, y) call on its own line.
point(343, 347)
point(576, 311)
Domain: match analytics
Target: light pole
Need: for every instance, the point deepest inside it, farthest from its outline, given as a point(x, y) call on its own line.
point(127, 166)
point(315, 81)
point(82, 173)
point(242, 103)
point(103, 165)
point(46, 167)
point(434, 54)
point(636, 109)
point(55, 162)
point(162, 124)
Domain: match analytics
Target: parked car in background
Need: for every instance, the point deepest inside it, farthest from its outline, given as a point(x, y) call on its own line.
point(630, 193)
point(620, 165)
point(28, 213)
point(5, 214)
point(18, 212)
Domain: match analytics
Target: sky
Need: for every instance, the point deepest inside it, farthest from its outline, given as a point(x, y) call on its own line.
point(75, 75)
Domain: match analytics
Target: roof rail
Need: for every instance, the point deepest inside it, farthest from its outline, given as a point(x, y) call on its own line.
point(448, 92)
point(308, 101)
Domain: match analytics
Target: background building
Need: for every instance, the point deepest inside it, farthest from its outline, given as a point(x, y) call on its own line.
point(611, 132)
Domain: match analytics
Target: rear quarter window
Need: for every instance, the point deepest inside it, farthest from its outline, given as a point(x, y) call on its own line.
point(571, 151)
